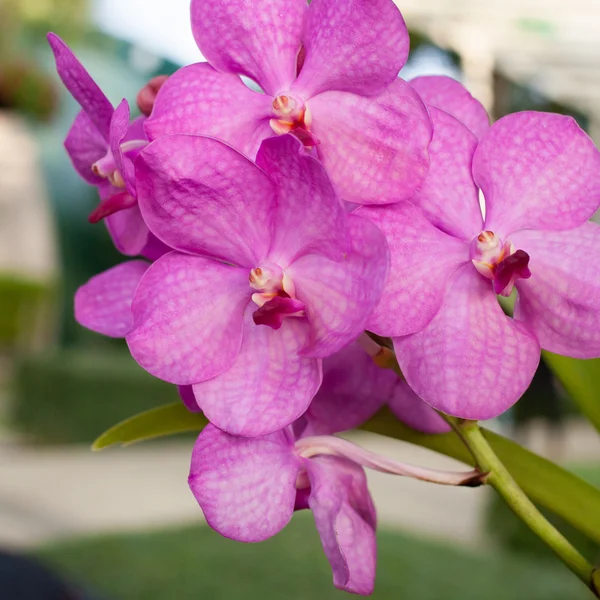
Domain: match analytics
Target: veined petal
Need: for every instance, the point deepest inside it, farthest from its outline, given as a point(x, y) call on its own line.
point(354, 46)
point(210, 200)
point(246, 487)
point(188, 314)
point(422, 259)
point(537, 171)
point(199, 100)
point(128, 231)
point(412, 411)
point(452, 97)
point(81, 86)
point(354, 388)
point(310, 218)
point(256, 38)
point(449, 197)
point(345, 518)
point(340, 296)
point(103, 304)
point(374, 148)
point(561, 300)
point(85, 146)
point(267, 387)
point(471, 361)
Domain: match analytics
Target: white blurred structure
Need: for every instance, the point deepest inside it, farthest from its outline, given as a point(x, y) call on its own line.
point(552, 46)
point(27, 236)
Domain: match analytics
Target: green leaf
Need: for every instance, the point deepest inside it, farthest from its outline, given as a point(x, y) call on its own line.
point(581, 379)
point(547, 484)
point(158, 422)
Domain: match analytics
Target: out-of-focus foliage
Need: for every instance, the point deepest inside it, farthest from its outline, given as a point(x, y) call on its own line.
point(165, 420)
point(23, 305)
point(195, 562)
point(74, 395)
point(581, 379)
point(515, 537)
point(24, 85)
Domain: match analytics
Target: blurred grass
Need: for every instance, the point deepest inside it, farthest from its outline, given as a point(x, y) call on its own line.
point(195, 563)
point(74, 395)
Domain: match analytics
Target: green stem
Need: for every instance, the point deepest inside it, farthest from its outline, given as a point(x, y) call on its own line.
point(502, 481)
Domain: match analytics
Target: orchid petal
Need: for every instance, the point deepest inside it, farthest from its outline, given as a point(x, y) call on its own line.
point(85, 146)
point(452, 97)
point(154, 248)
point(128, 231)
point(267, 387)
point(449, 197)
point(422, 260)
point(199, 100)
point(412, 411)
point(375, 148)
point(209, 200)
point(537, 171)
point(103, 304)
point(340, 296)
point(345, 518)
point(246, 487)
point(118, 130)
point(354, 46)
point(81, 86)
point(310, 218)
point(354, 388)
point(186, 393)
point(256, 38)
point(561, 300)
point(188, 313)
point(471, 361)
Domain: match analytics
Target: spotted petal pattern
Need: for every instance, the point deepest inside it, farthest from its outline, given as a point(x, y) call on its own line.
point(103, 304)
point(471, 361)
point(355, 46)
point(452, 97)
point(267, 387)
point(257, 38)
point(561, 300)
point(188, 314)
point(246, 487)
point(375, 148)
point(340, 296)
point(199, 100)
point(537, 171)
point(345, 518)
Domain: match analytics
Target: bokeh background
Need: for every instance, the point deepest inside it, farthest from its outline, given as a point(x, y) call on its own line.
point(122, 524)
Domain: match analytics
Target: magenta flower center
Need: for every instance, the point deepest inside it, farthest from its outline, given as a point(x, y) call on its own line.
point(291, 115)
point(275, 296)
point(499, 261)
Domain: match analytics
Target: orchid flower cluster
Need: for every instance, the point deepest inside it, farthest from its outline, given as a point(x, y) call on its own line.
point(285, 233)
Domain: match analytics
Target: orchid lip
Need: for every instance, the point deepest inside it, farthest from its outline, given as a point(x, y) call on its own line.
point(275, 295)
point(499, 261)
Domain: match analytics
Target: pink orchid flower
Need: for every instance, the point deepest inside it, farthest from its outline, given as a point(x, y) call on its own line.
point(269, 276)
point(102, 144)
point(329, 72)
point(540, 176)
point(249, 488)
